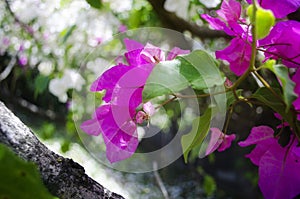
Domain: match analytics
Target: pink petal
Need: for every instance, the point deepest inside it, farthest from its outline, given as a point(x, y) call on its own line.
point(91, 127)
point(133, 53)
point(140, 117)
point(215, 140)
point(284, 42)
point(149, 108)
point(109, 79)
point(230, 10)
point(132, 45)
point(260, 149)
point(123, 145)
point(258, 134)
point(175, 52)
point(280, 8)
point(226, 142)
point(238, 54)
point(120, 139)
point(218, 24)
point(279, 175)
point(218, 140)
point(152, 54)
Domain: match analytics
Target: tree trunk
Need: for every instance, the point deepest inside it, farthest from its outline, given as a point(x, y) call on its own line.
point(63, 177)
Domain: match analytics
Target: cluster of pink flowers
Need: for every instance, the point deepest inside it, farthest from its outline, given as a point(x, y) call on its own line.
point(124, 109)
point(279, 166)
point(117, 120)
point(282, 43)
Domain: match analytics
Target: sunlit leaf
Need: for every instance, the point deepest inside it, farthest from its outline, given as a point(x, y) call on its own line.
point(198, 133)
point(200, 69)
point(288, 85)
point(164, 79)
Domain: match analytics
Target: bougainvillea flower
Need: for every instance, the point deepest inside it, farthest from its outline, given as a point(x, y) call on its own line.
point(218, 141)
point(229, 15)
point(279, 175)
point(145, 114)
point(283, 43)
point(261, 137)
point(117, 119)
point(280, 8)
point(175, 52)
point(238, 54)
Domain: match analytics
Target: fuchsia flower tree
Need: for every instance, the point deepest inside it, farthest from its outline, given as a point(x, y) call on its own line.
point(258, 27)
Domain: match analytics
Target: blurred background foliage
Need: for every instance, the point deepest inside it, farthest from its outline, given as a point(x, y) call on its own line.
point(44, 44)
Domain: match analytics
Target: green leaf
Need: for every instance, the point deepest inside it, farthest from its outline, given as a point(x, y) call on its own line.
point(134, 20)
point(66, 33)
point(267, 97)
point(209, 185)
point(231, 98)
point(218, 98)
point(164, 79)
point(200, 69)
point(198, 133)
point(19, 179)
point(264, 21)
point(95, 3)
point(40, 84)
point(288, 85)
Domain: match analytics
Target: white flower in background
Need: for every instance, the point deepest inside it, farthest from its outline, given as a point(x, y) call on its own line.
point(119, 5)
point(210, 3)
point(180, 7)
point(45, 68)
point(58, 88)
point(70, 80)
point(100, 28)
point(73, 79)
point(20, 8)
point(53, 21)
point(98, 66)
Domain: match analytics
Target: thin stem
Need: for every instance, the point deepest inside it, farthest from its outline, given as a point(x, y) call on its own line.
point(228, 118)
point(267, 85)
point(177, 95)
point(276, 44)
point(166, 102)
point(235, 94)
point(280, 56)
point(253, 51)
